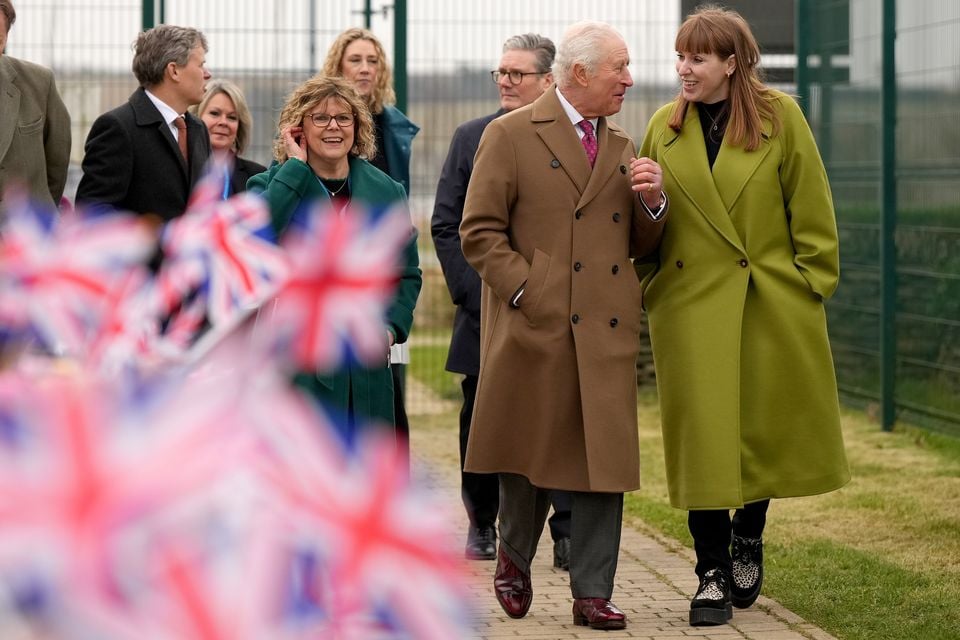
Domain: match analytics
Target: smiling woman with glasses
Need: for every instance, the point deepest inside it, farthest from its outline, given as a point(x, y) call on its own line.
point(325, 136)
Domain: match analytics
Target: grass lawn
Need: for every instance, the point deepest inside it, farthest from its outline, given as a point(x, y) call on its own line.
point(879, 559)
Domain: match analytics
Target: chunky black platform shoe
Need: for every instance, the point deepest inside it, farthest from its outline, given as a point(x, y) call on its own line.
point(747, 554)
point(711, 605)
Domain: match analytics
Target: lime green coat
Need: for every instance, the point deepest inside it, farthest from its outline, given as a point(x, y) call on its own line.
point(745, 375)
point(287, 187)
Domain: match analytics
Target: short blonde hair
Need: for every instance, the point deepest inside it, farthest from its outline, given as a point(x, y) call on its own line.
point(316, 91)
point(244, 119)
point(382, 93)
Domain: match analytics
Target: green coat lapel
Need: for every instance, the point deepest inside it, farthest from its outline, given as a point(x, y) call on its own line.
point(685, 156)
point(735, 167)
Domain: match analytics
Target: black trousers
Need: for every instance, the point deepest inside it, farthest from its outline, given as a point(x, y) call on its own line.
point(712, 532)
point(559, 522)
point(480, 491)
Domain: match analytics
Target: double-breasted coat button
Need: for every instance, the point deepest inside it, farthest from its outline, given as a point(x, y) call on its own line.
point(555, 163)
point(623, 169)
point(576, 318)
point(743, 263)
point(615, 269)
point(578, 215)
point(614, 322)
point(577, 266)
point(679, 264)
point(616, 217)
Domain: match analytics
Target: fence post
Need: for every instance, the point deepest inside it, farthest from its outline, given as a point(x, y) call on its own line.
point(801, 41)
point(149, 14)
point(888, 217)
point(400, 53)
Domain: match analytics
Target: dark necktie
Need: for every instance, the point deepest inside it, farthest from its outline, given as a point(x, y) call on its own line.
point(181, 126)
point(589, 141)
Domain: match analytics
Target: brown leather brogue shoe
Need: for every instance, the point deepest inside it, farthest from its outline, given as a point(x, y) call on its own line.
point(598, 613)
point(512, 587)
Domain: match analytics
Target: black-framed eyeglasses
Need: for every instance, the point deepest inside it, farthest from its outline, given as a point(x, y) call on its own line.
point(516, 77)
point(322, 120)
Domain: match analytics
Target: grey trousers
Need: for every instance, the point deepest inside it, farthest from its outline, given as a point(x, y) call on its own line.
point(594, 532)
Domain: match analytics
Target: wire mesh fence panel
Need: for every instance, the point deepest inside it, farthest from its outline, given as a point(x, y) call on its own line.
point(846, 112)
point(267, 48)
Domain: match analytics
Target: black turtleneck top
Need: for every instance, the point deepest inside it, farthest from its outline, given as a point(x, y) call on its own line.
point(713, 122)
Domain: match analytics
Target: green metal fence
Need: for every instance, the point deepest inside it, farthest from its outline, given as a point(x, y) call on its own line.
point(880, 84)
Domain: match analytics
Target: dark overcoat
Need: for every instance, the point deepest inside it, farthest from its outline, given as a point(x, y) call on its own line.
point(132, 162)
point(556, 398)
point(462, 279)
point(243, 170)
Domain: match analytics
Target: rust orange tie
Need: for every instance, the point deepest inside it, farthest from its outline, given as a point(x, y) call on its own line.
point(181, 126)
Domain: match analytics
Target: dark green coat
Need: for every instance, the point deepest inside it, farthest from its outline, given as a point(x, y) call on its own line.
point(748, 395)
point(286, 187)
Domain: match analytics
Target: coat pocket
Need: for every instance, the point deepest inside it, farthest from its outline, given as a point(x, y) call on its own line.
point(533, 289)
point(30, 127)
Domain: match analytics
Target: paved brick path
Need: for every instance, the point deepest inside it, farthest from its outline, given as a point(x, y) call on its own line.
point(654, 579)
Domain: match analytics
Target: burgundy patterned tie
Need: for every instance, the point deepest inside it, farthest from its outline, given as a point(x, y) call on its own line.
point(589, 141)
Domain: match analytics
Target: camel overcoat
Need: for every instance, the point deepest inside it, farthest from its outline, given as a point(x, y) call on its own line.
point(556, 397)
point(748, 394)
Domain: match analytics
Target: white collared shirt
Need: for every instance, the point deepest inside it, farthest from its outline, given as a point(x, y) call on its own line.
point(575, 116)
point(168, 113)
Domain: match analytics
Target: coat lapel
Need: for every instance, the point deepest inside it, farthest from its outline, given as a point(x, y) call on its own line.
point(557, 133)
point(196, 131)
point(685, 156)
point(611, 144)
point(9, 105)
point(147, 115)
point(735, 167)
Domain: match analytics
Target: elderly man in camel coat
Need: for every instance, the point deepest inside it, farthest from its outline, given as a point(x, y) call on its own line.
point(552, 235)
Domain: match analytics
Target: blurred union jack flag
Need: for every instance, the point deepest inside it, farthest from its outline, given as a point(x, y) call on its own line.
point(343, 274)
point(59, 276)
point(220, 254)
point(205, 498)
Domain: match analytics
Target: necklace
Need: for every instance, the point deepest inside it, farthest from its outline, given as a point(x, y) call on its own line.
point(714, 126)
point(718, 123)
point(326, 182)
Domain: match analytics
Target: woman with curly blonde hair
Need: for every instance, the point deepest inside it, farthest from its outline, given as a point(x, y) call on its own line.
point(325, 134)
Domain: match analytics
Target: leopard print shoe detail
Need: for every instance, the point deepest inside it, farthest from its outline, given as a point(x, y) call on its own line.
point(747, 554)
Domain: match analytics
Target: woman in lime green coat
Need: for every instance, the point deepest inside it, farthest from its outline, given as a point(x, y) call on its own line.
point(324, 129)
point(745, 374)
